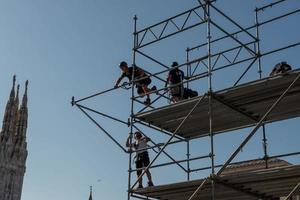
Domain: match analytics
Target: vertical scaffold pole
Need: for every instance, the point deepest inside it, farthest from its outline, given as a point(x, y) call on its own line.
point(188, 69)
point(132, 106)
point(188, 159)
point(258, 54)
point(207, 13)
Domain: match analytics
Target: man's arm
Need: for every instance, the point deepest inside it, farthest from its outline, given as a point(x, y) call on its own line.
point(168, 80)
point(128, 145)
point(118, 81)
point(147, 139)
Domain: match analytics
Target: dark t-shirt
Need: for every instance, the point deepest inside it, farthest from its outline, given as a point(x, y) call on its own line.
point(137, 73)
point(176, 76)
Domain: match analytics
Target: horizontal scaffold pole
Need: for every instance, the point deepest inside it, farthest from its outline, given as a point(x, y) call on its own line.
point(139, 197)
point(284, 155)
point(73, 102)
point(269, 5)
point(171, 163)
point(239, 162)
point(280, 49)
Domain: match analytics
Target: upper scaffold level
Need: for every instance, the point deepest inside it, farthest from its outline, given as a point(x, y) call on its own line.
point(233, 108)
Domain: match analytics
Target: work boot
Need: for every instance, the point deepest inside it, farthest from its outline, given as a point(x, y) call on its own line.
point(147, 102)
point(154, 89)
point(150, 184)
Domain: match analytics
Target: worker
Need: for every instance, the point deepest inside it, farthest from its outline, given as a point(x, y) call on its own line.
point(142, 85)
point(280, 68)
point(142, 156)
point(174, 81)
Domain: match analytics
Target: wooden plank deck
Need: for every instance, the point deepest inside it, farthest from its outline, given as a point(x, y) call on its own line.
point(274, 182)
point(253, 98)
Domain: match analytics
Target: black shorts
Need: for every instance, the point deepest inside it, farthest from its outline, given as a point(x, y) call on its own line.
point(176, 91)
point(141, 83)
point(142, 160)
point(145, 81)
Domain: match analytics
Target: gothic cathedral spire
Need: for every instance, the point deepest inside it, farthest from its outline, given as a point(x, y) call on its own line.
point(91, 191)
point(9, 115)
point(23, 119)
point(13, 152)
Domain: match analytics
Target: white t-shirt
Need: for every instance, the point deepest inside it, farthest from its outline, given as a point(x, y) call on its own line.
point(141, 144)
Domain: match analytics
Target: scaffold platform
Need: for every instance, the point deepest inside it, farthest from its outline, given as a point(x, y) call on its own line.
point(232, 108)
point(264, 183)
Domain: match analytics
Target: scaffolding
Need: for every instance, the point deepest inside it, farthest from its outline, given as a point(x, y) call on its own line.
point(250, 104)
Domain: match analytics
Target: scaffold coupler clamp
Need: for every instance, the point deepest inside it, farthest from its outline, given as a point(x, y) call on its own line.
point(128, 122)
point(258, 54)
point(129, 151)
point(210, 93)
point(73, 101)
point(266, 157)
point(213, 176)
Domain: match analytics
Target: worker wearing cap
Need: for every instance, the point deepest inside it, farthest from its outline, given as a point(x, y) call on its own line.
point(174, 81)
point(142, 85)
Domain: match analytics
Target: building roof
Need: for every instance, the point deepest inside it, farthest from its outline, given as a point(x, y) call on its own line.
point(258, 164)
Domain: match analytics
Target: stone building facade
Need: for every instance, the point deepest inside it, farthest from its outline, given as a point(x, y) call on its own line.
point(13, 146)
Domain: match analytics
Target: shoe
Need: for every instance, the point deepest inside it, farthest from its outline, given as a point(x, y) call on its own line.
point(154, 89)
point(140, 187)
point(147, 102)
point(150, 184)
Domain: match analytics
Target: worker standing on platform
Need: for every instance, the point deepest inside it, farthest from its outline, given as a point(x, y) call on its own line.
point(142, 85)
point(174, 80)
point(142, 156)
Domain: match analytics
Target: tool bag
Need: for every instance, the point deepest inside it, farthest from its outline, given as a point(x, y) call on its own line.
point(188, 93)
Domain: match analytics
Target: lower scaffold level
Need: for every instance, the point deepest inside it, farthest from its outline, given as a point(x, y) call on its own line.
point(252, 184)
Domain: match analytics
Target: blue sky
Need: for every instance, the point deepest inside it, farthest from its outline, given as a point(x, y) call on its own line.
point(72, 48)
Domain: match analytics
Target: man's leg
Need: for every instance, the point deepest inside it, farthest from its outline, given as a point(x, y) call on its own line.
point(174, 99)
point(146, 91)
point(149, 178)
point(141, 91)
point(145, 83)
point(138, 165)
point(176, 92)
point(146, 162)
